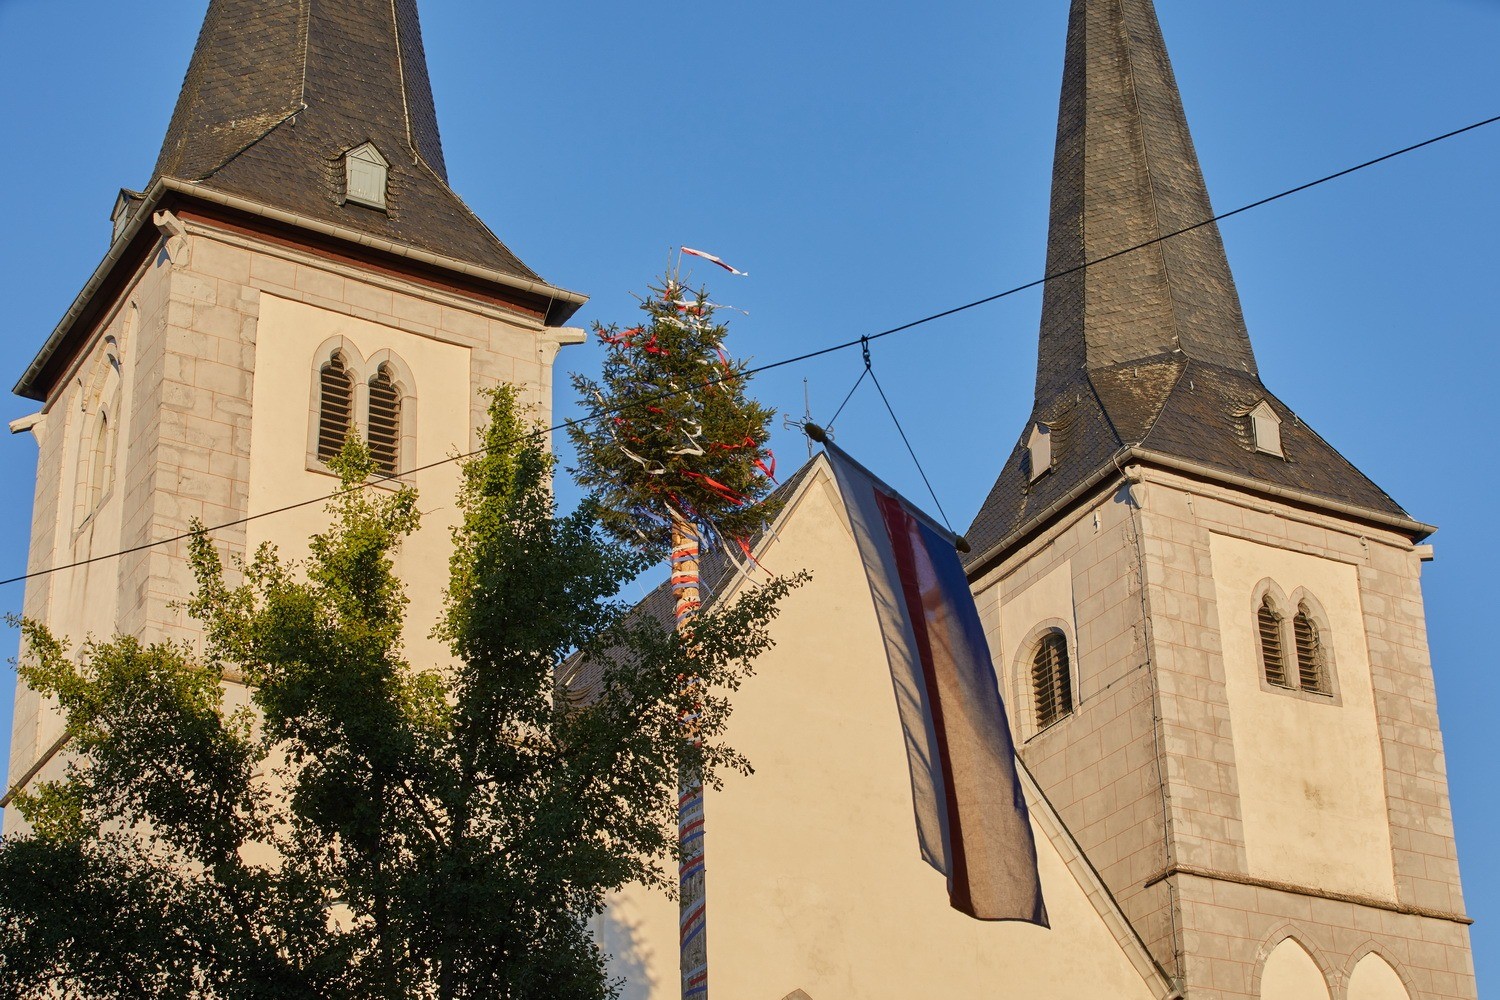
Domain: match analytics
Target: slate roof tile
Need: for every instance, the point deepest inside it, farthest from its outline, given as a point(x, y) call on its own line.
point(276, 94)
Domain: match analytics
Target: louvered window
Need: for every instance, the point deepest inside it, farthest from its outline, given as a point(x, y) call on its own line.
point(1310, 672)
point(1051, 680)
point(385, 422)
point(335, 409)
point(1272, 647)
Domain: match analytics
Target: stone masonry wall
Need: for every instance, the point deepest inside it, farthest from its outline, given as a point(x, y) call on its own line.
point(1099, 767)
point(79, 601)
point(1166, 831)
point(188, 370)
point(1230, 926)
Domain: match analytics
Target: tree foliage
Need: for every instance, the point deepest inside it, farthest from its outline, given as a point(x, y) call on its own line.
point(348, 823)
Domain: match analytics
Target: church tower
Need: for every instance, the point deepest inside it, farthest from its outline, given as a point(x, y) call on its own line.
point(1208, 623)
point(296, 266)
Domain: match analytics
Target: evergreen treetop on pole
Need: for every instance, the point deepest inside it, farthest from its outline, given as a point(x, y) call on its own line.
point(678, 442)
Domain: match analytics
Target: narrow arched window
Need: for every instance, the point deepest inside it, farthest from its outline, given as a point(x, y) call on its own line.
point(1272, 646)
point(1311, 673)
point(1051, 680)
point(99, 462)
point(335, 407)
point(385, 422)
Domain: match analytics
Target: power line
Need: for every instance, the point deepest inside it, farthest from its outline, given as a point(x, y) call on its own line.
point(1128, 250)
point(596, 414)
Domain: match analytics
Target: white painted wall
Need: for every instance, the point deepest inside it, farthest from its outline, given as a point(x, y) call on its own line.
point(288, 336)
point(1312, 793)
point(814, 878)
point(1291, 974)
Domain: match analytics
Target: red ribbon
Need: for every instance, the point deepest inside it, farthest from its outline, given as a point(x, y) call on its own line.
point(770, 470)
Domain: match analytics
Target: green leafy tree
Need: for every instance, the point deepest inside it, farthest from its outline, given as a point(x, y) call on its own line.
point(681, 463)
point(352, 824)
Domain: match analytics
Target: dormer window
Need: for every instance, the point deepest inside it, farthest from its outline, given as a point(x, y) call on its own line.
point(1039, 446)
point(1265, 428)
point(365, 176)
point(121, 214)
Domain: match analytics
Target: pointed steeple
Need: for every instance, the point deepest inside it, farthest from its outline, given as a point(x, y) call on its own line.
point(277, 94)
point(1125, 174)
point(1143, 354)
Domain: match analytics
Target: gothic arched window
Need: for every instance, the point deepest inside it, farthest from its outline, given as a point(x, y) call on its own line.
point(1051, 680)
point(1312, 674)
point(99, 464)
point(1272, 646)
point(385, 421)
point(335, 407)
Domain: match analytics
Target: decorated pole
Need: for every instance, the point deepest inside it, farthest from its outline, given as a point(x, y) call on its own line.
point(678, 463)
point(692, 910)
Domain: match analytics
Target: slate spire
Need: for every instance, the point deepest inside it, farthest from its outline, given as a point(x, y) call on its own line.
point(277, 93)
point(1143, 356)
point(1126, 173)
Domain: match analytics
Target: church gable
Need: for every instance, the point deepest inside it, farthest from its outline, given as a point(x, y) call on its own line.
point(815, 881)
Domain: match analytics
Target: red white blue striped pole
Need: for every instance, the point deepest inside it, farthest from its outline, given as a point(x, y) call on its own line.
point(692, 894)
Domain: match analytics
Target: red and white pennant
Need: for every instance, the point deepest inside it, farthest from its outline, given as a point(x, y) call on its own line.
point(714, 260)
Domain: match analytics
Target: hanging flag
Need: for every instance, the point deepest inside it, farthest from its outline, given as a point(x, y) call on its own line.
point(972, 822)
point(711, 258)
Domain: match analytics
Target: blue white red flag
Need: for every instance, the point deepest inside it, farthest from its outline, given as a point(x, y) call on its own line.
point(972, 821)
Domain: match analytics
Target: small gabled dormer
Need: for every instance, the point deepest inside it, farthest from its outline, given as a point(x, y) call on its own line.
point(120, 216)
point(1039, 450)
point(365, 174)
point(1265, 429)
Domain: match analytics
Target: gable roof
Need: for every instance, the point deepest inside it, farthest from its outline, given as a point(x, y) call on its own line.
point(1145, 351)
point(797, 492)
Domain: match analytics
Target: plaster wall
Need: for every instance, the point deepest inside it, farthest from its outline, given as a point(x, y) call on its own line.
point(1374, 979)
point(282, 472)
point(1291, 974)
point(814, 878)
point(1311, 777)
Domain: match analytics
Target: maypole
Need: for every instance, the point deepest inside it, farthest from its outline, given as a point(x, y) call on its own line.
point(678, 456)
point(692, 911)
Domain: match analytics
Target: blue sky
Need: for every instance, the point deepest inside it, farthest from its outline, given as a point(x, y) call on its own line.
point(871, 163)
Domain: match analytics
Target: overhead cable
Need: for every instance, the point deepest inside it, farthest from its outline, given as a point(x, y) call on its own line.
point(596, 414)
